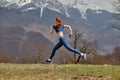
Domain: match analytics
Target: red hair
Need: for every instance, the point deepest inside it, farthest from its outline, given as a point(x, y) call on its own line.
point(58, 22)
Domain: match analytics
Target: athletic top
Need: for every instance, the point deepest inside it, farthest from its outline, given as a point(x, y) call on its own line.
point(58, 29)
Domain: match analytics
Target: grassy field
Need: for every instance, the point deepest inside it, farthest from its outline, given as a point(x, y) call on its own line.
point(58, 72)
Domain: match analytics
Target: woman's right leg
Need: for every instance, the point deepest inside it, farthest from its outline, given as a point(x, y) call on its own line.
point(57, 46)
point(67, 45)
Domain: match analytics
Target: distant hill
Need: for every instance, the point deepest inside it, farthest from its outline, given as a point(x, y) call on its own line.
point(20, 33)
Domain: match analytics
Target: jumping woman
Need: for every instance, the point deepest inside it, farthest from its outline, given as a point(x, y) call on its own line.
point(58, 27)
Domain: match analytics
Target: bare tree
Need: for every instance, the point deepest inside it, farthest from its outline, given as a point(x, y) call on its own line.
point(76, 38)
point(85, 46)
point(115, 56)
point(33, 53)
point(5, 56)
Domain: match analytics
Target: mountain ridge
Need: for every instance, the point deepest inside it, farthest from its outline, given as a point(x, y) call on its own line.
point(93, 21)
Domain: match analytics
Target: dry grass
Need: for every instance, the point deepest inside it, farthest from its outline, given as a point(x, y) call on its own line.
point(58, 72)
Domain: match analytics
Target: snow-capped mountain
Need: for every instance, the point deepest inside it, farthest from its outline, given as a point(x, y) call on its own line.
point(55, 5)
point(18, 3)
point(89, 16)
point(104, 4)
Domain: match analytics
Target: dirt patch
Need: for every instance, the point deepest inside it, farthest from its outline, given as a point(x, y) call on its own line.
point(90, 77)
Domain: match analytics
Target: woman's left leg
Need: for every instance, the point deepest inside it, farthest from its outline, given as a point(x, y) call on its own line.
point(57, 46)
point(67, 45)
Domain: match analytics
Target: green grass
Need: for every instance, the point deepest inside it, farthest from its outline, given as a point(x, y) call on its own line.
point(58, 72)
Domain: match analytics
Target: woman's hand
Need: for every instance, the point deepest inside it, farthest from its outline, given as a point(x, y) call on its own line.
point(70, 35)
point(51, 30)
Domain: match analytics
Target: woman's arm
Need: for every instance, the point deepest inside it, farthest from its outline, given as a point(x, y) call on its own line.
point(51, 30)
point(70, 30)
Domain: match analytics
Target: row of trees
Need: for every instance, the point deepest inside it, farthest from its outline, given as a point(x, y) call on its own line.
point(35, 53)
point(113, 58)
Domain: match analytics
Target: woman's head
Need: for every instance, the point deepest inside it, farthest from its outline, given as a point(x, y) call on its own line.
point(58, 22)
